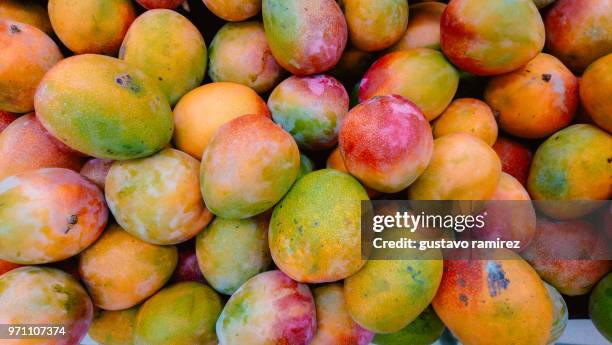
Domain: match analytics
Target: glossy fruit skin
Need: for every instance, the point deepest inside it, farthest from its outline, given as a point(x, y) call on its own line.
point(458, 179)
point(334, 324)
point(5, 119)
point(248, 166)
point(578, 33)
point(140, 275)
point(494, 41)
point(474, 291)
point(203, 110)
point(40, 295)
point(28, 12)
point(48, 215)
point(554, 250)
point(27, 54)
point(91, 26)
point(595, 97)
point(96, 170)
point(423, 27)
point(311, 109)
point(240, 53)
point(560, 314)
point(467, 115)
point(572, 165)
point(375, 24)
point(386, 143)
point(153, 4)
point(421, 75)
point(600, 304)
point(278, 309)
point(315, 230)
point(535, 100)
point(424, 330)
point(234, 10)
point(230, 252)
point(386, 295)
point(157, 198)
point(187, 268)
point(335, 161)
point(114, 327)
point(305, 36)
point(515, 158)
point(26, 145)
point(115, 110)
point(188, 311)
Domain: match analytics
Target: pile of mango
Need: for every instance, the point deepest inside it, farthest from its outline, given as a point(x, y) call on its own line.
point(192, 172)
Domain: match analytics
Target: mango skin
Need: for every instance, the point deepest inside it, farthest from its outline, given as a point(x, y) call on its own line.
point(27, 54)
point(315, 230)
point(560, 314)
point(6, 266)
point(502, 296)
point(114, 327)
point(269, 308)
point(41, 295)
point(104, 107)
point(28, 12)
point(157, 198)
point(247, 167)
point(499, 39)
point(595, 97)
point(386, 295)
point(234, 10)
point(188, 311)
point(306, 165)
point(424, 330)
point(5, 119)
point(230, 252)
point(336, 162)
point(305, 36)
point(515, 158)
point(48, 215)
point(421, 75)
point(573, 164)
point(150, 45)
point(96, 170)
point(600, 304)
point(152, 4)
point(423, 29)
point(467, 115)
point(140, 276)
point(91, 26)
point(375, 24)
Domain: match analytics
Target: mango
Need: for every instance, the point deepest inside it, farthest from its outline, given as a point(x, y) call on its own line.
point(234, 10)
point(335, 161)
point(595, 97)
point(306, 165)
point(27, 12)
point(114, 327)
point(424, 330)
point(5, 119)
point(467, 115)
point(96, 170)
point(600, 304)
point(560, 314)
point(423, 29)
point(153, 4)
point(515, 158)
point(6, 266)
point(352, 65)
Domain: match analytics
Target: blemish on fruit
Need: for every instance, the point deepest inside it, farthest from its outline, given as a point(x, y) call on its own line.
point(496, 279)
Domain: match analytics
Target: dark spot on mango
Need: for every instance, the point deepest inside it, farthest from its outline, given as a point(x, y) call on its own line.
point(496, 279)
point(126, 81)
point(546, 77)
point(463, 298)
point(14, 29)
point(73, 219)
point(609, 160)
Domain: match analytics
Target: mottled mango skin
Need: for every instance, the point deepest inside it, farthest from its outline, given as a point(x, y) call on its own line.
point(91, 26)
point(515, 158)
point(157, 198)
point(315, 230)
point(203, 110)
point(6, 266)
point(153, 4)
point(386, 143)
point(599, 306)
point(5, 119)
point(234, 10)
point(462, 167)
point(240, 53)
point(421, 75)
point(121, 271)
point(188, 312)
point(27, 54)
point(467, 115)
point(48, 215)
point(335, 161)
point(578, 33)
point(96, 170)
point(573, 164)
point(247, 167)
point(536, 100)
point(502, 297)
point(230, 252)
point(560, 314)
point(46, 296)
point(386, 295)
point(489, 38)
point(595, 94)
point(28, 12)
point(423, 29)
point(26, 145)
point(305, 36)
point(268, 309)
point(424, 330)
point(152, 45)
point(311, 109)
point(104, 107)
point(375, 24)
point(334, 324)
point(114, 327)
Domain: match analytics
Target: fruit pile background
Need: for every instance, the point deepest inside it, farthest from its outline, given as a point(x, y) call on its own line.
point(191, 172)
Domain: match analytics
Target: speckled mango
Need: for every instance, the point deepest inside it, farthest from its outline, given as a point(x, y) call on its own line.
point(489, 38)
point(48, 215)
point(467, 115)
point(104, 107)
point(27, 54)
point(424, 330)
point(157, 198)
point(248, 166)
point(28, 12)
point(595, 94)
point(144, 269)
point(45, 296)
point(335, 161)
point(151, 44)
point(234, 10)
point(315, 230)
point(421, 75)
point(423, 27)
point(305, 36)
point(114, 327)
